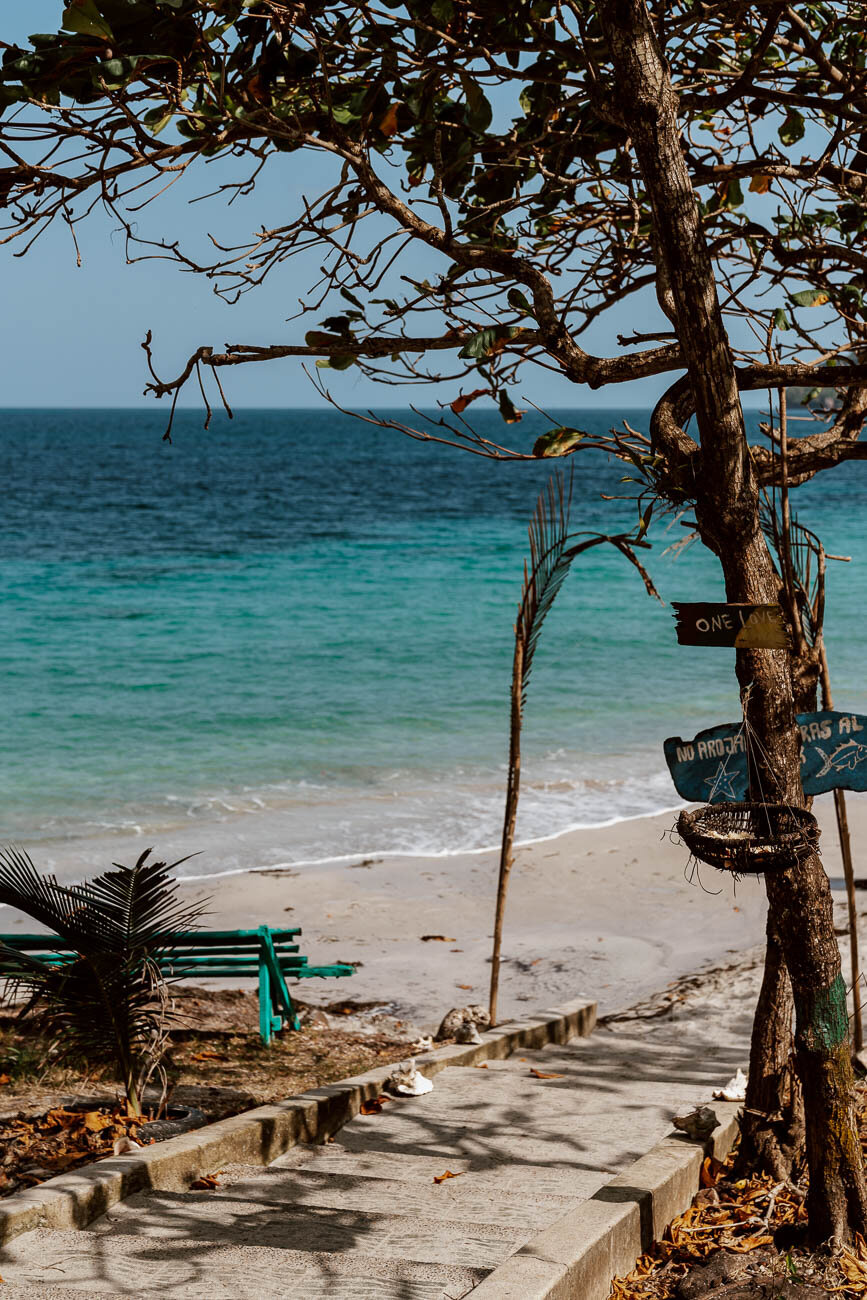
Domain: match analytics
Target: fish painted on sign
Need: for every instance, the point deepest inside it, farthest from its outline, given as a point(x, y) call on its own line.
point(846, 757)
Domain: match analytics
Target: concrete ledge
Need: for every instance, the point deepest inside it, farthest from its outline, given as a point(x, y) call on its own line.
point(258, 1136)
point(576, 1258)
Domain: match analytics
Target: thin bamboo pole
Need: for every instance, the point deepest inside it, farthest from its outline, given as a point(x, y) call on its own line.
point(786, 523)
point(848, 869)
point(512, 788)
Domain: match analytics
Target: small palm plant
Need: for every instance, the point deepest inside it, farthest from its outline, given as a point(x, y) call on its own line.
point(102, 994)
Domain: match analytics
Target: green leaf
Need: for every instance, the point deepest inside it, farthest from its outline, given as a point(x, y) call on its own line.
point(559, 442)
point(344, 115)
point(781, 320)
point(508, 410)
point(340, 362)
point(792, 129)
point(734, 195)
point(487, 341)
point(810, 298)
point(443, 11)
point(519, 302)
point(478, 112)
point(83, 17)
point(319, 338)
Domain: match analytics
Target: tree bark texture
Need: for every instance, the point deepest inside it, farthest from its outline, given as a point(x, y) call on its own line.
point(772, 1123)
point(725, 490)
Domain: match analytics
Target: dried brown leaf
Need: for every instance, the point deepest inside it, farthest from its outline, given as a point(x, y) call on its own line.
point(462, 402)
point(448, 1174)
point(373, 1105)
point(95, 1121)
point(388, 123)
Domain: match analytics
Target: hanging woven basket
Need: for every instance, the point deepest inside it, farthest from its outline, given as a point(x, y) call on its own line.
point(749, 838)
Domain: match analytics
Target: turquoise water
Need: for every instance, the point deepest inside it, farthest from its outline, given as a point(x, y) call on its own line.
point(298, 617)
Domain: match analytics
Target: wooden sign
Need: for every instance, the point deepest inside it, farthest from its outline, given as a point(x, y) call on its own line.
point(712, 768)
point(743, 626)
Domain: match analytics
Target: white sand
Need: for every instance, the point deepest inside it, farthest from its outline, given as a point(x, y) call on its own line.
point(604, 912)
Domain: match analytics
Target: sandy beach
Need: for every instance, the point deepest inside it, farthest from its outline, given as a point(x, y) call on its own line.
point(608, 913)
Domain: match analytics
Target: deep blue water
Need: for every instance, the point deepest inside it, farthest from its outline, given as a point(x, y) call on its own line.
point(300, 613)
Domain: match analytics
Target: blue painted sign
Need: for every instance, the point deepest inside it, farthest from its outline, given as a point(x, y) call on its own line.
point(712, 768)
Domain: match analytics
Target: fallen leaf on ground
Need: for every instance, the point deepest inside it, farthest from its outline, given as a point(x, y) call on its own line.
point(373, 1105)
point(540, 1074)
point(60, 1118)
point(465, 986)
point(207, 1183)
point(5, 1078)
point(483, 1066)
point(455, 949)
point(448, 1174)
point(710, 1171)
point(208, 1056)
point(437, 938)
point(95, 1121)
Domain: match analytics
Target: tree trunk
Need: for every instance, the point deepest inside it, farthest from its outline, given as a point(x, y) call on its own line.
point(772, 1123)
point(726, 495)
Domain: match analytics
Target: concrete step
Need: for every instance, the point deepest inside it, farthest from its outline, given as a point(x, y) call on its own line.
point(176, 1216)
point(71, 1265)
point(364, 1159)
point(466, 1198)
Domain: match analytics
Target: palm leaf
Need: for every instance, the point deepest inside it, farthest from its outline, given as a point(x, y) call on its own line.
point(108, 1003)
point(807, 567)
point(551, 556)
point(552, 550)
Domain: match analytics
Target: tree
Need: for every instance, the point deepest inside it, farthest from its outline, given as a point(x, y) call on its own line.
point(502, 177)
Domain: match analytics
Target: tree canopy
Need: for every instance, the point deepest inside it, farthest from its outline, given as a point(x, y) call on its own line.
point(492, 138)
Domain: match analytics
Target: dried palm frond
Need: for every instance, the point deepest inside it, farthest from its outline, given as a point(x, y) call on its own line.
point(552, 550)
point(808, 566)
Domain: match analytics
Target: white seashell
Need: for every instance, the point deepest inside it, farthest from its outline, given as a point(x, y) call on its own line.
point(407, 1081)
point(123, 1145)
point(735, 1089)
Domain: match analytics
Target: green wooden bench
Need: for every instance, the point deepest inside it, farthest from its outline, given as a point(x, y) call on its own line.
point(268, 954)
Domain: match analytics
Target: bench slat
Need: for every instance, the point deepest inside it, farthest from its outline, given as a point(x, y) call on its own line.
point(265, 953)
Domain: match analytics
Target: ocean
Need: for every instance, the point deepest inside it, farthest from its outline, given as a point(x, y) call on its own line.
point(302, 622)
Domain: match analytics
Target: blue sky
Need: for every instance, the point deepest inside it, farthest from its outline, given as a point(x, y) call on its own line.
point(71, 337)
